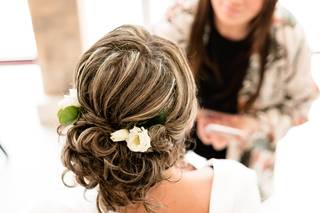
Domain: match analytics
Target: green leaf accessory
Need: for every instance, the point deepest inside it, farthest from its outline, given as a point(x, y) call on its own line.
point(69, 109)
point(69, 115)
point(159, 119)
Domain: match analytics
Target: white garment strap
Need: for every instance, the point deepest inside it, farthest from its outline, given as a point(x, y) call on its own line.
point(223, 188)
point(234, 188)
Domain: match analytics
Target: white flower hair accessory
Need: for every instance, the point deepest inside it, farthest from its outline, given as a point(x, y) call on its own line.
point(120, 135)
point(137, 138)
point(69, 108)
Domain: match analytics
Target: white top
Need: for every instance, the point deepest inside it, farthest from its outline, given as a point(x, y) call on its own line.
point(234, 188)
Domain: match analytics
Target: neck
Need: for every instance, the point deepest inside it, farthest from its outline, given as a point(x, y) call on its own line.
point(232, 32)
point(174, 174)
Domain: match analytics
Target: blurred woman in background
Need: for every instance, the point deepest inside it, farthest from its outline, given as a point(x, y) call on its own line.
point(252, 68)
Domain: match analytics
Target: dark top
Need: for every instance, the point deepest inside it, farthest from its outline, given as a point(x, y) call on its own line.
point(219, 90)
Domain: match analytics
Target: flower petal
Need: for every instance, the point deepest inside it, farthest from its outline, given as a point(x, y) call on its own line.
point(69, 100)
point(133, 143)
point(119, 135)
point(135, 130)
point(145, 140)
point(138, 140)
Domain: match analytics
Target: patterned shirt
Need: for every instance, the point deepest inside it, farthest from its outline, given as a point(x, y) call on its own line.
point(288, 88)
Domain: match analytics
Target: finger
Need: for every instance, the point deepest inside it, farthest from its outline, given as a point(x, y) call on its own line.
point(219, 142)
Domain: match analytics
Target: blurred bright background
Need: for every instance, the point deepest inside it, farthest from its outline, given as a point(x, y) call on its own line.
point(32, 173)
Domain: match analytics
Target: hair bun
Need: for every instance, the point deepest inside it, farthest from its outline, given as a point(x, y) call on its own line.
point(160, 140)
point(124, 80)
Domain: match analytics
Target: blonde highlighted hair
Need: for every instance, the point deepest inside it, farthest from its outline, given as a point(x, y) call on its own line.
point(129, 76)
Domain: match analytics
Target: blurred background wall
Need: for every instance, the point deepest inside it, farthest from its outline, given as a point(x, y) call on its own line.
point(57, 33)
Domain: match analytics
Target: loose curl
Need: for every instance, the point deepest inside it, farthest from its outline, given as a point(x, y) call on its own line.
point(127, 77)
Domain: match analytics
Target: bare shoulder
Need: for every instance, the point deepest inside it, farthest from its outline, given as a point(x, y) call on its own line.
point(191, 193)
point(200, 183)
point(199, 176)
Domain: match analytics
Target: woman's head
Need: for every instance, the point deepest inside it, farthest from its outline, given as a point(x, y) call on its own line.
point(127, 79)
point(255, 15)
point(237, 12)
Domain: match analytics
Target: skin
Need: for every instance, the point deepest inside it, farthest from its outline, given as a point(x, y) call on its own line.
point(188, 191)
point(232, 18)
point(220, 141)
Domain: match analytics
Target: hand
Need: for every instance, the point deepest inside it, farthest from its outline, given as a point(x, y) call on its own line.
point(220, 141)
point(217, 140)
point(244, 122)
point(202, 122)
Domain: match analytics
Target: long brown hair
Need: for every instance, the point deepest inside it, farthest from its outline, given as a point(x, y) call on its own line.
point(259, 36)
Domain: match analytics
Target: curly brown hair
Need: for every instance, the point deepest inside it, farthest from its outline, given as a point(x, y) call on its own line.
point(127, 77)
